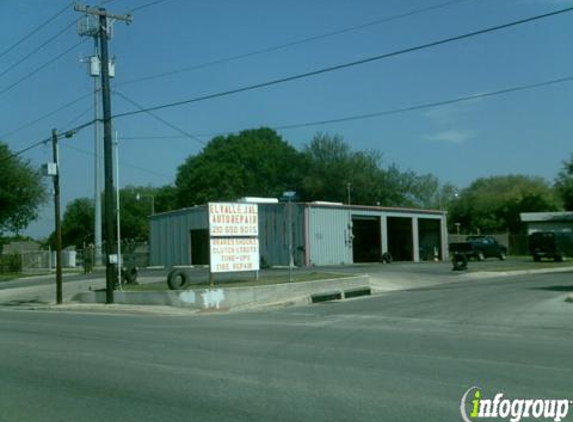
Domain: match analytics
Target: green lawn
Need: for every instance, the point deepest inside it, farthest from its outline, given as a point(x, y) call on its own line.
point(263, 281)
point(515, 263)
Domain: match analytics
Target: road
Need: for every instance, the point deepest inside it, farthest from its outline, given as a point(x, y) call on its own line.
point(402, 356)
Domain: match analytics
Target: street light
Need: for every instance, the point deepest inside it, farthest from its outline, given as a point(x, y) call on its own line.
point(139, 196)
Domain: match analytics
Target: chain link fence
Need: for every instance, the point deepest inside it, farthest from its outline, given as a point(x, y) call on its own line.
point(134, 254)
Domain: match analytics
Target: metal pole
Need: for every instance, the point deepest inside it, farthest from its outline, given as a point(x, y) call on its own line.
point(97, 186)
point(108, 160)
point(290, 263)
point(57, 218)
point(118, 208)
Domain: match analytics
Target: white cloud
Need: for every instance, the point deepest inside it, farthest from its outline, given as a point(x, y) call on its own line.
point(451, 136)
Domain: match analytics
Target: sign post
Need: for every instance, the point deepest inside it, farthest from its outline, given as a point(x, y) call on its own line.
point(233, 237)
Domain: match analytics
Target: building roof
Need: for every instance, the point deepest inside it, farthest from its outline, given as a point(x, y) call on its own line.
point(531, 217)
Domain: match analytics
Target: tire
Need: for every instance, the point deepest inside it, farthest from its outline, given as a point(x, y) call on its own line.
point(387, 257)
point(559, 258)
point(502, 256)
point(178, 279)
point(131, 275)
point(459, 262)
point(480, 256)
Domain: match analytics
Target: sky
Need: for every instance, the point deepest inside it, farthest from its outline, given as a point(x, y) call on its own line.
point(523, 132)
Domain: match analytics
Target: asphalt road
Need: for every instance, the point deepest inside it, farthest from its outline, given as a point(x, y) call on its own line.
point(403, 356)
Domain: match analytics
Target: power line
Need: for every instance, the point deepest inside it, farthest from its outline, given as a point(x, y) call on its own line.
point(44, 141)
point(145, 170)
point(389, 112)
point(346, 65)
point(25, 37)
point(45, 116)
point(165, 122)
point(38, 69)
point(79, 116)
point(292, 43)
point(143, 6)
point(48, 41)
point(428, 105)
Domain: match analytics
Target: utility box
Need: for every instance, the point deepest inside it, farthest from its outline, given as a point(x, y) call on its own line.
point(95, 67)
point(50, 169)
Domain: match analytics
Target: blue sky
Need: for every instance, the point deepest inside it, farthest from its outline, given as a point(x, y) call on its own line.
point(525, 132)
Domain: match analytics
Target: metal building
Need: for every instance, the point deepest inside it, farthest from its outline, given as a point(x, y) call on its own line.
point(548, 221)
point(322, 234)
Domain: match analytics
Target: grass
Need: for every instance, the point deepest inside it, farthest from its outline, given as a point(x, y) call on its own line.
point(11, 276)
point(515, 263)
point(263, 281)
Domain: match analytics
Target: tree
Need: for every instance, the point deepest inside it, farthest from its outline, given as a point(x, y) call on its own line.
point(77, 223)
point(165, 198)
point(21, 192)
point(330, 164)
point(564, 184)
point(255, 162)
point(493, 204)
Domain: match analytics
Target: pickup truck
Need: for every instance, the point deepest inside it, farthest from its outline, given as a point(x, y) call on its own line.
point(479, 248)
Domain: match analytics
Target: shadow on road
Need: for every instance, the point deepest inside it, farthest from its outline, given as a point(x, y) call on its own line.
point(568, 288)
point(24, 302)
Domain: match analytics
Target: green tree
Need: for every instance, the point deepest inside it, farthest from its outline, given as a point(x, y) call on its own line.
point(165, 198)
point(136, 205)
point(564, 184)
point(330, 164)
point(21, 191)
point(77, 224)
point(255, 162)
point(493, 204)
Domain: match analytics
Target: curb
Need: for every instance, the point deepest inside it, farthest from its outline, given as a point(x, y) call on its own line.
point(231, 298)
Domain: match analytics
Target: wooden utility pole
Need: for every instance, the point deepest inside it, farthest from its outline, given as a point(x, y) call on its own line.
point(112, 259)
point(56, 180)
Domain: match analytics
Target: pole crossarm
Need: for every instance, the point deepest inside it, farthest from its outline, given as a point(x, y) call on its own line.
point(102, 12)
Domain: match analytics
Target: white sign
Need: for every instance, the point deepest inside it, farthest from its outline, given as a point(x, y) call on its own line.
point(234, 254)
point(233, 219)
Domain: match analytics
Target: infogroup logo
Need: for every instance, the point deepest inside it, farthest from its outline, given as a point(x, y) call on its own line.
point(474, 407)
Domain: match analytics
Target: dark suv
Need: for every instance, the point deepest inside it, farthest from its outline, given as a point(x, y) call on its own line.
point(550, 245)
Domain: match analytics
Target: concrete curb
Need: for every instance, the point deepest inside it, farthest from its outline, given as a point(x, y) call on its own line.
point(232, 298)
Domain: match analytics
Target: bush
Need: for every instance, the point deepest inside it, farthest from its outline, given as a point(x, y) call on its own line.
point(10, 263)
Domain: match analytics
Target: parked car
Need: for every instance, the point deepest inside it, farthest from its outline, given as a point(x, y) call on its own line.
point(479, 248)
point(551, 245)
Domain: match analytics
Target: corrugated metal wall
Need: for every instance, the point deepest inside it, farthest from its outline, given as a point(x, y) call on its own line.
point(328, 236)
point(327, 242)
point(170, 235)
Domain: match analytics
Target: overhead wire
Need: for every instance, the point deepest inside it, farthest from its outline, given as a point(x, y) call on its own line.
point(123, 163)
point(73, 130)
point(144, 6)
point(155, 116)
point(43, 66)
point(346, 65)
point(292, 43)
point(382, 113)
point(36, 29)
point(45, 116)
point(45, 43)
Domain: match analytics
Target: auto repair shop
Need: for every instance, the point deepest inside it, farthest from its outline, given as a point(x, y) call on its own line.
point(322, 234)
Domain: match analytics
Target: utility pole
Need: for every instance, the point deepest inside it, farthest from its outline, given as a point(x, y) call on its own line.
point(109, 229)
point(56, 179)
point(97, 186)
